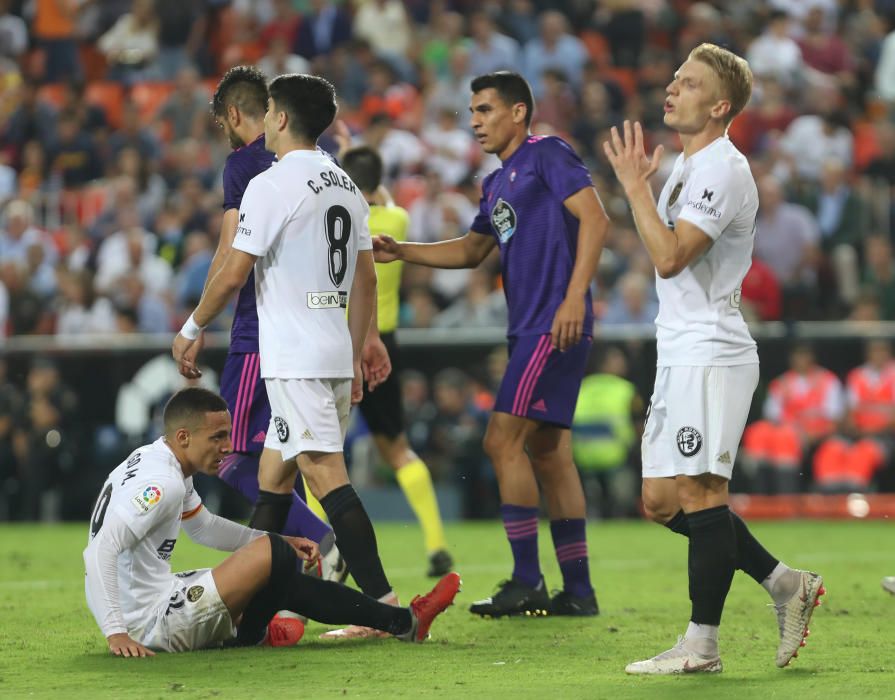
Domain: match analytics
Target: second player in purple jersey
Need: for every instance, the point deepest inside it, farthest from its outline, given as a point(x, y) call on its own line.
point(241, 166)
point(522, 207)
point(540, 208)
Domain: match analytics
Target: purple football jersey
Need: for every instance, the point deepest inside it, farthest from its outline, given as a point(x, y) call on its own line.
point(241, 166)
point(522, 206)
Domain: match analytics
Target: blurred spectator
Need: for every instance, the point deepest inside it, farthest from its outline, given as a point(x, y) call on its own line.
point(519, 19)
point(879, 276)
point(761, 295)
point(28, 312)
point(33, 120)
point(848, 462)
point(555, 47)
point(775, 53)
point(884, 79)
point(625, 28)
point(419, 411)
point(48, 443)
point(823, 50)
point(631, 302)
point(81, 311)
point(402, 152)
point(190, 280)
point(451, 91)
point(450, 148)
point(456, 436)
point(181, 30)
point(279, 60)
point(558, 104)
point(13, 32)
point(431, 213)
point(130, 251)
point(384, 25)
point(757, 129)
point(444, 34)
point(804, 406)
point(133, 134)
point(608, 420)
point(92, 117)
point(490, 50)
point(798, 10)
point(54, 28)
point(322, 29)
point(282, 26)
point(387, 94)
point(786, 239)
point(131, 45)
point(74, 158)
point(19, 233)
point(32, 176)
point(418, 308)
point(479, 306)
point(813, 139)
point(186, 109)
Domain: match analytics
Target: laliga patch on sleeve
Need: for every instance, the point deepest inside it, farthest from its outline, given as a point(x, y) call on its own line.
point(147, 499)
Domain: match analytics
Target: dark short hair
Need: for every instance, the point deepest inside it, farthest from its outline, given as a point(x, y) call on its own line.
point(243, 87)
point(308, 100)
point(187, 408)
point(363, 165)
point(511, 87)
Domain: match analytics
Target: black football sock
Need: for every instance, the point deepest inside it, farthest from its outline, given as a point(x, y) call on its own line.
point(752, 557)
point(711, 562)
point(356, 539)
point(334, 604)
point(271, 511)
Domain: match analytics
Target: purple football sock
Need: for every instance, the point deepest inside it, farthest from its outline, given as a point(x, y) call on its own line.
point(571, 552)
point(521, 525)
point(240, 471)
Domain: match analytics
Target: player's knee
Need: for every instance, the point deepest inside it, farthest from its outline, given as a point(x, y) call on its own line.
point(658, 510)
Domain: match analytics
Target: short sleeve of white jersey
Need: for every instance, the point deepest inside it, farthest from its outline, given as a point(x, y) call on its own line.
point(262, 216)
point(712, 200)
point(149, 503)
point(364, 240)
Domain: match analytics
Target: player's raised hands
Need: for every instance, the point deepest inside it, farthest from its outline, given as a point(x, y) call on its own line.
point(627, 156)
point(122, 645)
point(385, 249)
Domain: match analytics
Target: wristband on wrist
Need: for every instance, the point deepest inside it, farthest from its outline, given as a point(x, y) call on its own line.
point(191, 329)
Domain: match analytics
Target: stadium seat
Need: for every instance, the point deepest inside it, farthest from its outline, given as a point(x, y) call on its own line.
point(109, 96)
point(149, 98)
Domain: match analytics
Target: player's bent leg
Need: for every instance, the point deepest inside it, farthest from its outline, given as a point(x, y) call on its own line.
point(504, 443)
point(660, 500)
point(241, 575)
point(550, 448)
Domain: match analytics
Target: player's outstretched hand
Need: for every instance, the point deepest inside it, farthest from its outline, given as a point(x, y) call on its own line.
point(375, 362)
point(628, 157)
point(568, 324)
point(189, 367)
point(305, 548)
point(122, 645)
point(385, 249)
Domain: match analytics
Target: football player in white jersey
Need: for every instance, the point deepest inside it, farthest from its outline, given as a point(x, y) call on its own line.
point(141, 606)
point(303, 227)
point(700, 239)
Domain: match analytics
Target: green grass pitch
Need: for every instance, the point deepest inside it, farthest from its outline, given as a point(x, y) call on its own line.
point(51, 648)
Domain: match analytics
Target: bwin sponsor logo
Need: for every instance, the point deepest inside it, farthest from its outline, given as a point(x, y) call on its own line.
point(327, 300)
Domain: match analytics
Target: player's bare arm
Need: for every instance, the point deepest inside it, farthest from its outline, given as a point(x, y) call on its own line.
point(230, 278)
point(375, 362)
point(362, 301)
point(568, 324)
point(670, 250)
point(466, 251)
point(225, 243)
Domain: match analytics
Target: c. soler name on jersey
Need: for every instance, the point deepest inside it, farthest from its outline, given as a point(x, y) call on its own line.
point(330, 178)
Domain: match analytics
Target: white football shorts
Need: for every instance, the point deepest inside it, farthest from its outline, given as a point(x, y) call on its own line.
point(696, 420)
point(194, 617)
point(307, 415)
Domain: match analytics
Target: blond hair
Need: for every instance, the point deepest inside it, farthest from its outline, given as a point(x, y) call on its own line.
point(733, 73)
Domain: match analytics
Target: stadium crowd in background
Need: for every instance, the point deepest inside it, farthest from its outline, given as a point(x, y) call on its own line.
point(110, 160)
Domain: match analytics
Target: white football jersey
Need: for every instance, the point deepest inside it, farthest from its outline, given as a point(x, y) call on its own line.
point(699, 322)
point(149, 493)
point(306, 221)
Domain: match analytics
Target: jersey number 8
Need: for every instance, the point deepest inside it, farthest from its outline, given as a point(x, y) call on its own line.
point(338, 233)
